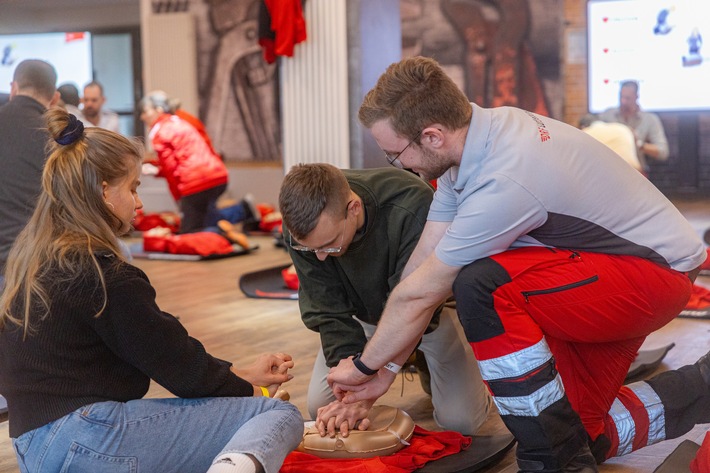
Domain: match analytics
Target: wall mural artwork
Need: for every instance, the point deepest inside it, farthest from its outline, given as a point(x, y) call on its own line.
point(500, 52)
point(238, 89)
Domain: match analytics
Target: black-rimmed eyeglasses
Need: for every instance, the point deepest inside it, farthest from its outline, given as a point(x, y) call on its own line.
point(329, 250)
point(393, 158)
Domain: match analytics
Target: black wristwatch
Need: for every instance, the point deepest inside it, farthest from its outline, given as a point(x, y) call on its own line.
point(362, 366)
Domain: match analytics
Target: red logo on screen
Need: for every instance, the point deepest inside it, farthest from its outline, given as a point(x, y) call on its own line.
point(605, 19)
point(69, 37)
point(606, 81)
point(606, 50)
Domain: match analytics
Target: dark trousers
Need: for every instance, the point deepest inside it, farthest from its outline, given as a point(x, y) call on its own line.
point(199, 209)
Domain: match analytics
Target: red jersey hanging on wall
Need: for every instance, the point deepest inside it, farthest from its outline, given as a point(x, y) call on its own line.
point(281, 27)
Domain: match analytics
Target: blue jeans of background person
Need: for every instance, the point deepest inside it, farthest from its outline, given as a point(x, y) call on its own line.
point(162, 435)
point(233, 214)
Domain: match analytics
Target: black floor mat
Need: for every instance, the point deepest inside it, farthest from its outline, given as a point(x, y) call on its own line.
point(267, 284)
point(646, 362)
point(484, 451)
point(679, 459)
point(703, 313)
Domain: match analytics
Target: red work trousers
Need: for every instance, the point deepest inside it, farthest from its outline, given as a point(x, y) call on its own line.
point(592, 310)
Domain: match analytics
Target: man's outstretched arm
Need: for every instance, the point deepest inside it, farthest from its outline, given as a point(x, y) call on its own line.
point(404, 320)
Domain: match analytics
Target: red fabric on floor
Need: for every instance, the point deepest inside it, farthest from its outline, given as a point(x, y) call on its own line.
point(144, 222)
point(699, 298)
point(199, 243)
point(290, 278)
point(425, 446)
point(701, 462)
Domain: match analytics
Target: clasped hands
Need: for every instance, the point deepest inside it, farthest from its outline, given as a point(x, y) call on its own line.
point(355, 393)
point(268, 370)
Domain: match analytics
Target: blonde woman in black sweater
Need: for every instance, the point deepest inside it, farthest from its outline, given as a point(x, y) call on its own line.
point(81, 337)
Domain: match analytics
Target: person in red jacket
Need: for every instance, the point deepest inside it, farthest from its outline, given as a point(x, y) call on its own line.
point(175, 107)
point(196, 175)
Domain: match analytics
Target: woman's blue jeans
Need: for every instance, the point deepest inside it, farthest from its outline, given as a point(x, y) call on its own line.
point(162, 436)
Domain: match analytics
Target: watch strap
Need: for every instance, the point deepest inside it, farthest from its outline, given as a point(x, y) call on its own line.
point(362, 367)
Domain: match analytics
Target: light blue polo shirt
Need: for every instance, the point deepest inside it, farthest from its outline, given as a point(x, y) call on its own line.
point(529, 180)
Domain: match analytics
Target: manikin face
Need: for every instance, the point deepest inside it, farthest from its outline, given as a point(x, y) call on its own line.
point(122, 198)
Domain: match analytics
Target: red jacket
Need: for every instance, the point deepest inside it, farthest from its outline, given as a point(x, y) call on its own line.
point(197, 123)
point(184, 158)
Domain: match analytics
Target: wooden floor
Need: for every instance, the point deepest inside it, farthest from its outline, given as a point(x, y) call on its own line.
point(206, 297)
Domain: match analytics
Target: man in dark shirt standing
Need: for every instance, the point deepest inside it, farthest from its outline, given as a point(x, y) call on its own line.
point(23, 137)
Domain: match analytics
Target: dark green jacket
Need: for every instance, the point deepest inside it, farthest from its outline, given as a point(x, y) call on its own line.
point(358, 282)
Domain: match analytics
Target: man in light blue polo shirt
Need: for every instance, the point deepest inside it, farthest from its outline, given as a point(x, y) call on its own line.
point(562, 259)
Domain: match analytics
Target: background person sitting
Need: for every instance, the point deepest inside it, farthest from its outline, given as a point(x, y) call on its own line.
point(651, 140)
point(70, 100)
point(94, 112)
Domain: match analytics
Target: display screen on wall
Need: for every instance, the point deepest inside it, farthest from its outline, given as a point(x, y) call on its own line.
point(69, 53)
point(657, 43)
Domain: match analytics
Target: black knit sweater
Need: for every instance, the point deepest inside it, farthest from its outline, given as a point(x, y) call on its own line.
point(73, 358)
